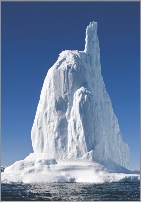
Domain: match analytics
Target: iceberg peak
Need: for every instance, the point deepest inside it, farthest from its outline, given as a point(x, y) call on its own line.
point(91, 37)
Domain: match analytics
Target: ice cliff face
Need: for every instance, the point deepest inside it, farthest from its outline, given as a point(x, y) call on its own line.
point(74, 117)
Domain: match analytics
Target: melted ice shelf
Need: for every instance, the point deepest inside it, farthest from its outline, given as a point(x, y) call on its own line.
point(75, 134)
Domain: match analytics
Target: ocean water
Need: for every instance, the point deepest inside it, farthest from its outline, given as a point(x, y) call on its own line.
point(115, 191)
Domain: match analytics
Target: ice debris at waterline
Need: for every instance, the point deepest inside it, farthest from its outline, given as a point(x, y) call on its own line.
point(41, 168)
point(75, 135)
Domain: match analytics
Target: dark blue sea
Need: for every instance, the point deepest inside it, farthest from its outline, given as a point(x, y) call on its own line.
point(127, 191)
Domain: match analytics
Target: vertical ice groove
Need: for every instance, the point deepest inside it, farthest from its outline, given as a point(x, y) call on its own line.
point(74, 117)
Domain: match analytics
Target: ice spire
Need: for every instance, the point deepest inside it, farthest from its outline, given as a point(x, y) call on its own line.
point(91, 37)
point(92, 48)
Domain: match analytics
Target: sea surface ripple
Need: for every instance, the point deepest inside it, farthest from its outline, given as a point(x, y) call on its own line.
point(115, 191)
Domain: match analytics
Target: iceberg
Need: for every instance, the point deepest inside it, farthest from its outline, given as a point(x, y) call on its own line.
point(74, 117)
point(75, 134)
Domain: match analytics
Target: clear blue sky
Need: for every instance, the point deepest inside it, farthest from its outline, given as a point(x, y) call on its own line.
point(33, 35)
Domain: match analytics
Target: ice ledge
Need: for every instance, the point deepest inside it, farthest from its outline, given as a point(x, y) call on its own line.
point(41, 168)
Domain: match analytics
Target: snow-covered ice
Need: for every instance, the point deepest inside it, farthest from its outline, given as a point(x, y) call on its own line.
point(75, 135)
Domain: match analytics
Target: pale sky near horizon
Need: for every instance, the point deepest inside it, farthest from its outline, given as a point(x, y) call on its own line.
point(33, 35)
